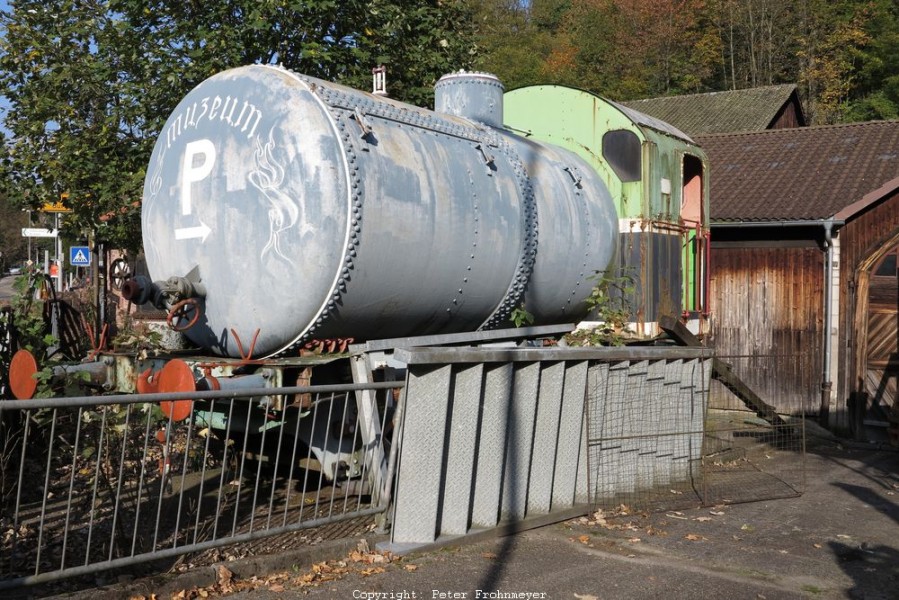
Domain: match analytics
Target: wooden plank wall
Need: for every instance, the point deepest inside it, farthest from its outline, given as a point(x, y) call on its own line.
point(788, 117)
point(767, 319)
point(867, 233)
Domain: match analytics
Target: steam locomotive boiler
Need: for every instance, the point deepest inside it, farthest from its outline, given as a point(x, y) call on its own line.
point(282, 208)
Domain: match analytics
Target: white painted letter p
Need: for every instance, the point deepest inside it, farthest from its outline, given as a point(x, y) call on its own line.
point(191, 173)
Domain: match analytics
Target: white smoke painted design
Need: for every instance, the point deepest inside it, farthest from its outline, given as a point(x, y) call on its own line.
point(283, 212)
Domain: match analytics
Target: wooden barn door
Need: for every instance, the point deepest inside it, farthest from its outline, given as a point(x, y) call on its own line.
point(882, 344)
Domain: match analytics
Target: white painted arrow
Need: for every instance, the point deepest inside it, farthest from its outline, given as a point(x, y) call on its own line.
point(187, 233)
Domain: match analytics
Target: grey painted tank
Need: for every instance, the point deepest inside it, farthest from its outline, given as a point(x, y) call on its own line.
point(310, 210)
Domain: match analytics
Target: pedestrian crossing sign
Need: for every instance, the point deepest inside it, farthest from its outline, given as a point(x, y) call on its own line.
point(80, 256)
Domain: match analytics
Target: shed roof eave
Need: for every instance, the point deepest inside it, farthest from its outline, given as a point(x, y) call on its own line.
point(868, 199)
point(827, 221)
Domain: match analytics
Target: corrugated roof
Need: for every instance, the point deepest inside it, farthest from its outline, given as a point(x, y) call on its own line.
point(800, 173)
point(751, 109)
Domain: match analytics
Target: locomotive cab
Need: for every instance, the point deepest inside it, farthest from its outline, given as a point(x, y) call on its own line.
point(658, 178)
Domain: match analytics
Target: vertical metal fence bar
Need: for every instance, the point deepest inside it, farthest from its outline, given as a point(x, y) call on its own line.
point(367, 449)
point(65, 531)
point(370, 451)
point(140, 488)
point(19, 486)
point(120, 482)
point(92, 508)
point(226, 468)
point(164, 479)
point(202, 484)
point(315, 404)
point(260, 454)
point(380, 489)
point(271, 497)
point(40, 535)
point(240, 471)
point(294, 464)
point(185, 459)
point(328, 421)
point(348, 411)
point(339, 441)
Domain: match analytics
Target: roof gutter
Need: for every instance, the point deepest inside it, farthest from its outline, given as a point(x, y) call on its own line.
point(827, 223)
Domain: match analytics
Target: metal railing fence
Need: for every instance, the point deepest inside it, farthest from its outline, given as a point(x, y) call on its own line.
point(90, 484)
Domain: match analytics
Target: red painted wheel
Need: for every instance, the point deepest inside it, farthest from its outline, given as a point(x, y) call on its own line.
point(22, 369)
point(184, 314)
point(176, 376)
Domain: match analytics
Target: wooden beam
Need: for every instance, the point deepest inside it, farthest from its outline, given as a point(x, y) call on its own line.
point(722, 372)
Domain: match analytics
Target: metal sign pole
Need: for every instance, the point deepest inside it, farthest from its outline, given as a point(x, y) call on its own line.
point(29, 239)
point(58, 254)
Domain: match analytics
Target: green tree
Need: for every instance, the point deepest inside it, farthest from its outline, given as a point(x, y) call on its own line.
point(876, 91)
point(514, 39)
point(337, 40)
point(72, 128)
point(622, 49)
point(844, 54)
point(758, 41)
point(90, 82)
point(833, 47)
point(637, 48)
point(13, 247)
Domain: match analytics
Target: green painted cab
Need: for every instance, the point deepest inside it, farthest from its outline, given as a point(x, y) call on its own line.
point(658, 179)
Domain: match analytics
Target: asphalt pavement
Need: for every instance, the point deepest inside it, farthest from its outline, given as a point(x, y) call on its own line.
point(839, 539)
point(6, 289)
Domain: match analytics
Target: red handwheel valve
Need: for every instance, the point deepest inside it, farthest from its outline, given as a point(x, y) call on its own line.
point(184, 314)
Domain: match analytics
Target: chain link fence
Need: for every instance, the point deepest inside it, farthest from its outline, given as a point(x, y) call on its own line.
point(685, 445)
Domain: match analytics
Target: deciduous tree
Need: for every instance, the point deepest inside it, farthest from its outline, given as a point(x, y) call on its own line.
point(90, 82)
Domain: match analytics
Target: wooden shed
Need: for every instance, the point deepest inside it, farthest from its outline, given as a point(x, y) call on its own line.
point(805, 240)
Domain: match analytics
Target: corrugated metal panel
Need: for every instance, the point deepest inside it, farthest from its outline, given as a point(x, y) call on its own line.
point(498, 435)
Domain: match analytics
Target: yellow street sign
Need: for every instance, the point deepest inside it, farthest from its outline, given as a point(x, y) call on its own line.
point(55, 207)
